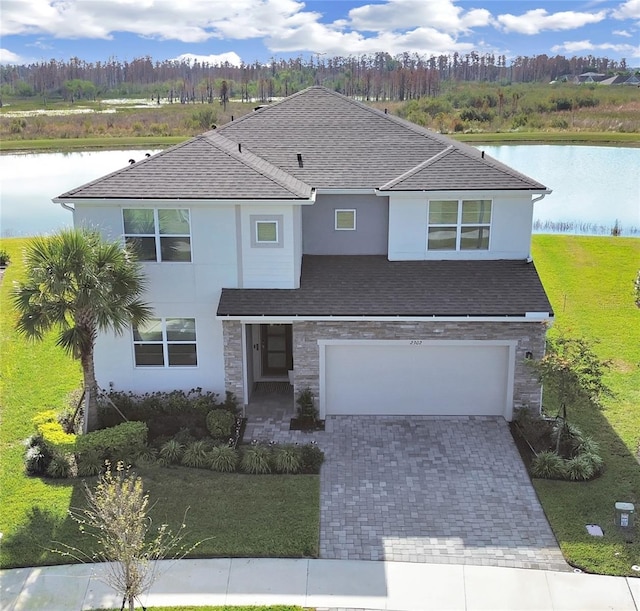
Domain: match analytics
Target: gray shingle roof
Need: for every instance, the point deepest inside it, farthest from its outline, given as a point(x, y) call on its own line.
point(374, 286)
point(207, 167)
point(344, 145)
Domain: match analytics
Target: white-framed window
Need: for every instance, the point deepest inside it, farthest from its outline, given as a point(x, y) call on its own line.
point(266, 230)
point(345, 219)
point(161, 234)
point(166, 342)
point(459, 224)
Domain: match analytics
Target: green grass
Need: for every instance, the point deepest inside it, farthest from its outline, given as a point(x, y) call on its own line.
point(235, 514)
point(590, 283)
point(562, 137)
point(94, 143)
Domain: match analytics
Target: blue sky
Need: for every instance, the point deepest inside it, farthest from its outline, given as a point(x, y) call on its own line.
point(257, 30)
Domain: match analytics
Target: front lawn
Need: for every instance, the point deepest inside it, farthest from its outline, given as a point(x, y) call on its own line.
point(590, 283)
point(234, 514)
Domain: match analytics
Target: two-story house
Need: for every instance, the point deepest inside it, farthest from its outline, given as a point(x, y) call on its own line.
point(382, 265)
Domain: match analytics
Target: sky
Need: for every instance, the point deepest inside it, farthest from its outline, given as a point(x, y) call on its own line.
point(259, 30)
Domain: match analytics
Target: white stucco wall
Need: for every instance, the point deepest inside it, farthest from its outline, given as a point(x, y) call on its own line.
point(510, 236)
point(181, 290)
point(270, 266)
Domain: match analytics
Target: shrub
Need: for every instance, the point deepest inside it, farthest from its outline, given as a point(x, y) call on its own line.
point(59, 467)
point(89, 463)
point(548, 465)
point(52, 432)
point(126, 439)
point(5, 258)
point(595, 460)
point(306, 406)
point(223, 459)
point(166, 414)
point(579, 468)
point(37, 459)
point(220, 423)
point(256, 459)
point(287, 459)
point(171, 452)
point(184, 437)
point(196, 455)
point(312, 458)
point(586, 445)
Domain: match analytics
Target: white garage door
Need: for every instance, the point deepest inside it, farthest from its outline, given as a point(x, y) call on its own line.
point(425, 378)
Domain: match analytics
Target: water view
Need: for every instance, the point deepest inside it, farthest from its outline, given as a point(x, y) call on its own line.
point(594, 188)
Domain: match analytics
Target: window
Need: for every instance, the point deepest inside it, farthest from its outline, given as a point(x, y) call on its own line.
point(345, 220)
point(266, 230)
point(459, 225)
point(158, 235)
point(166, 342)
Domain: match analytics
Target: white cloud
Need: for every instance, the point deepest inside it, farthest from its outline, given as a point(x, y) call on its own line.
point(623, 33)
point(580, 46)
point(8, 57)
point(412, 14)
point(627, 10)
point(187, 20)
point(318, 38)
point(231, 57)
point(538, 20)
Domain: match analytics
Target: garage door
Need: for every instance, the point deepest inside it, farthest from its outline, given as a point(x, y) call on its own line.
point(416, 378)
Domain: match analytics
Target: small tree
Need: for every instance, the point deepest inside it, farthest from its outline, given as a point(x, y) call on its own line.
point(79, 284)
point(117, 517)
point(572, 375)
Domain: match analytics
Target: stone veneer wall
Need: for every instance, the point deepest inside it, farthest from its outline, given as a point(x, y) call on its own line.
point(233, 358)
point(530, 338)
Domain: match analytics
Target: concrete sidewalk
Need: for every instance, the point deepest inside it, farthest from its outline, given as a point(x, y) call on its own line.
point(342, 584)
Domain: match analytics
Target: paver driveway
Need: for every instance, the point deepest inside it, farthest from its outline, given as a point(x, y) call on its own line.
point(428, 489)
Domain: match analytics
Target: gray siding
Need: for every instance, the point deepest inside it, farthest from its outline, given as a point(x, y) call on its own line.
point(319, 236)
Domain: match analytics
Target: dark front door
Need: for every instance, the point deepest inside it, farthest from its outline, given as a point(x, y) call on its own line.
point(277, 356)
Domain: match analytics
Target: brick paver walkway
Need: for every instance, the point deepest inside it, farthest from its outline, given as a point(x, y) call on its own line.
point(428, 489)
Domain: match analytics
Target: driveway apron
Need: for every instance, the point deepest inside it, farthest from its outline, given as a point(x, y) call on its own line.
point(430, 489)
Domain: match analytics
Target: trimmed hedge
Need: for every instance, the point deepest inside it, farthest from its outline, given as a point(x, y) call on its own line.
point(53, 435)
point(115, 443)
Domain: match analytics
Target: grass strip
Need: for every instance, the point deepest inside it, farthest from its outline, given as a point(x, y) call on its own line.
point(589, 281)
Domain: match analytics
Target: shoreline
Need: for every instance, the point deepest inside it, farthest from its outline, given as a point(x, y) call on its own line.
point(613, 139)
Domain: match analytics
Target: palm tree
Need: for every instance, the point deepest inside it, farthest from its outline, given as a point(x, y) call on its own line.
point(80, 284)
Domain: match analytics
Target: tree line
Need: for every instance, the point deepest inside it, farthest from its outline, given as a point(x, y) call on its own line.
point(373, 77)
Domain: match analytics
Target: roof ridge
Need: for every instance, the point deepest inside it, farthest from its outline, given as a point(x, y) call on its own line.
point(128, 167)
point(259, 164)
point(264, 108)
point(426, 163)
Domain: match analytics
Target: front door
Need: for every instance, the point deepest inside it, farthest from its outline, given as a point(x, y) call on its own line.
point(277, 358)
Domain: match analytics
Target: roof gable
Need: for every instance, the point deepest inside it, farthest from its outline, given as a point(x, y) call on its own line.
point(206, 167)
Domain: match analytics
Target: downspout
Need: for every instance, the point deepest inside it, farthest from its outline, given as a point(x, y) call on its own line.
point(66, 206)
point(533, 201)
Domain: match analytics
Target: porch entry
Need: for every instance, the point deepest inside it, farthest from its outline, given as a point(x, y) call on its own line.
point(276, 351)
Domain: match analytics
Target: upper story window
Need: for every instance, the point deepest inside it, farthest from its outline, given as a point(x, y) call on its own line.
point(345, 220)
point(162, 234)
point(266, 230)
point(459, 224)
point(166, 342)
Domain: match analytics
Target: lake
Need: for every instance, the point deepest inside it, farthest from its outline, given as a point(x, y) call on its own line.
point(594, 188)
